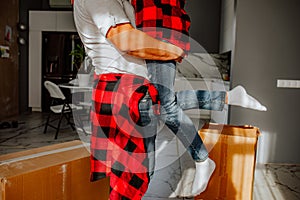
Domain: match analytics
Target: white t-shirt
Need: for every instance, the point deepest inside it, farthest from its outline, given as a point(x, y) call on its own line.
point(93, 18)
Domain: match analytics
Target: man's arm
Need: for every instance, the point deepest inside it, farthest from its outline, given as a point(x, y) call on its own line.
point(137, 43)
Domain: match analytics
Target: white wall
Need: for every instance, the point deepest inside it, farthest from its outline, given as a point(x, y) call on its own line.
point(42, 21)
point(266, 49)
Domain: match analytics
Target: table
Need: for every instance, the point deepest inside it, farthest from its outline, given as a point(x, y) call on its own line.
point(75, 86)
point(81, 95)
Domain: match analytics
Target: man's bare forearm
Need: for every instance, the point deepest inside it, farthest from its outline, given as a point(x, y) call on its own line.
point(139, 44)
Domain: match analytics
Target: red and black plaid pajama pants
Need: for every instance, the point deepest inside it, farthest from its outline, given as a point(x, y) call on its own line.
point(117, 147)
point(164, 20)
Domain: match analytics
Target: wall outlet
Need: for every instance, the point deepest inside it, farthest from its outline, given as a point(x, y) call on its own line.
point(288, 83)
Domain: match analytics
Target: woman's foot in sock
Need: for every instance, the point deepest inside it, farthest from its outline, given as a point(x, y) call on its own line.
point(203, 173)
point(239, 97)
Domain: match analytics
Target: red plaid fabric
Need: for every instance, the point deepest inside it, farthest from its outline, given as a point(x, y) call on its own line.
point(164, 20)
point(117, 147)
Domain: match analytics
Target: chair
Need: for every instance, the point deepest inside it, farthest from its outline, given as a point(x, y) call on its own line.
point(59, 105)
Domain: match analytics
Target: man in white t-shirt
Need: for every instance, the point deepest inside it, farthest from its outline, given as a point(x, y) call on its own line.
point(118, 146)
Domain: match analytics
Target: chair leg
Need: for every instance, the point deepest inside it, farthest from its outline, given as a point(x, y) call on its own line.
point(68, 117)
point(81, 124)
point(58, 126)
point(89, 113)
point(47, 123)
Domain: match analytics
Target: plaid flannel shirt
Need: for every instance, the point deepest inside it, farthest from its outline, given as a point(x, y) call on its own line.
point(164, 20)
point(117, 146)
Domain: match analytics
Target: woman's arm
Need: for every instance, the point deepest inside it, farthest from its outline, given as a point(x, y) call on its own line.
point(137, 43)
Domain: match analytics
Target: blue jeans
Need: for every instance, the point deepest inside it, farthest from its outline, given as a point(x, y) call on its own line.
point(162, 75)
point(147, 125)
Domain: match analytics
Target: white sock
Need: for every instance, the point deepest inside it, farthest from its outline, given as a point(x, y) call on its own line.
point(239, 97)
point(203, 173)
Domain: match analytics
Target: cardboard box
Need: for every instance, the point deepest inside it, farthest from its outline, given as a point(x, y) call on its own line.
point(61, 171)
point(58, 171)
point(233, 148)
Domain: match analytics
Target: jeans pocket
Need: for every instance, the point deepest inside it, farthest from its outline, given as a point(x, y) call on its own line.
point(145, 111)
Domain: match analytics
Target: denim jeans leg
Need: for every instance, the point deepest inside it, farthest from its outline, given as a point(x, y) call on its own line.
point(201, 99)
point(147, 125)
point(162, 75)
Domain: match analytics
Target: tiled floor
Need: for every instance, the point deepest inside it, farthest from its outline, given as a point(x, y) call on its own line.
point(29, 134)
point(277, 181)
point(272, 181)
